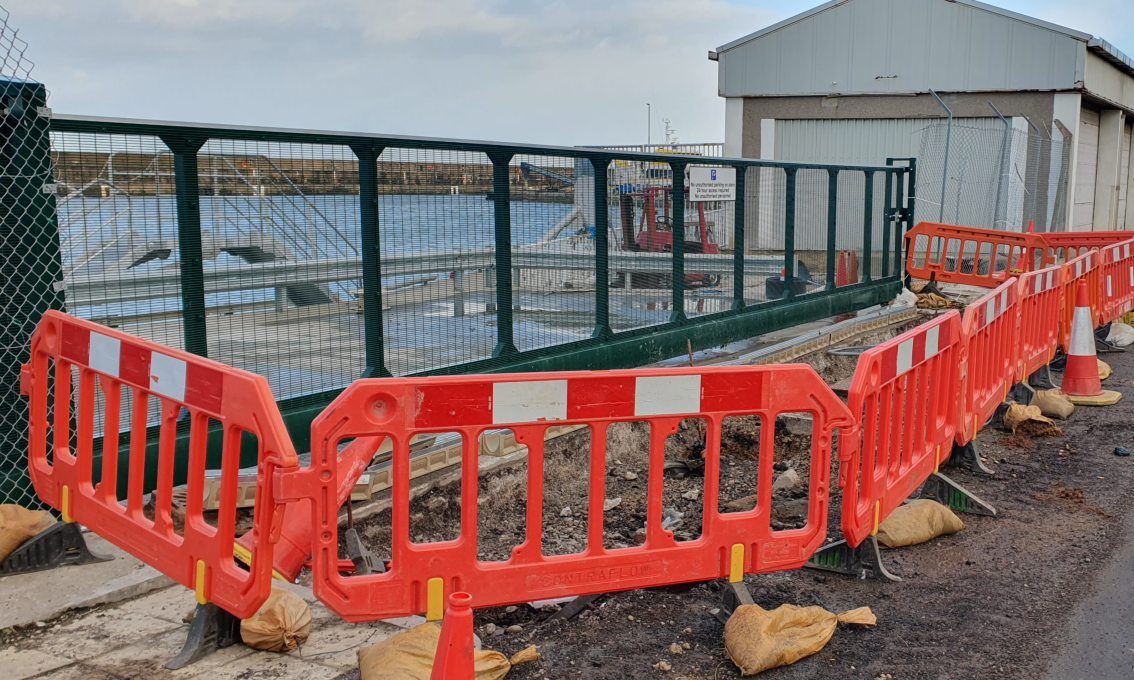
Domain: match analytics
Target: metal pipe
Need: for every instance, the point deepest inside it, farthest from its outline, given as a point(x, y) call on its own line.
point(1003, 166)
point(945, 165)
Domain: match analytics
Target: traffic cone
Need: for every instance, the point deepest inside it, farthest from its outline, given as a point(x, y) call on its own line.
point(454, 658)
point(1081, 384)
point(841, 270)
point(852, 266)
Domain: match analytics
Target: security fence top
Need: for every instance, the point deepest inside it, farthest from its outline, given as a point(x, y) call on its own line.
point(202, 131)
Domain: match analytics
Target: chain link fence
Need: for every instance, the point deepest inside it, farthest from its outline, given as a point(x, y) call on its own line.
point(29, 246)
point(993, 173)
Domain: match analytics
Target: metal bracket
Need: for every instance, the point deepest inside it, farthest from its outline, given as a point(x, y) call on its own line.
point(954, 496)
point(863, 561)
point(732, 596)
point(59, 545)
point(574, 607)
point(364, 562)
point(967, 457)
point(212, 629)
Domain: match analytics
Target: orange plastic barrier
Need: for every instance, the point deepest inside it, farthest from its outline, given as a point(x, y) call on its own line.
point(989, 367)
point(111, 365)
point(1041, 306)
point(1117, 281)
point(1064, 246)
point(904, 397)
point(420, 574)
point(1086, 267)
point(968, 255)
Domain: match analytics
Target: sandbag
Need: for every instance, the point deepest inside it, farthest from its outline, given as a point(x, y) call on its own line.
point(917, 522)
point(1120, 334)
point(18, 524)
point(1104, 370)
point(409, 656)
point(1053, 404)
point(1030, 421)
point(282, 624)
point(757, 639)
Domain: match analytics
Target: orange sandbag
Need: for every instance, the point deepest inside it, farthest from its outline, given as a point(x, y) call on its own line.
point(18, 524)
point(281, 625)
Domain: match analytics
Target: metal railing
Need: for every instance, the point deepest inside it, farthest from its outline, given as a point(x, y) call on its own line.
point(315, 258)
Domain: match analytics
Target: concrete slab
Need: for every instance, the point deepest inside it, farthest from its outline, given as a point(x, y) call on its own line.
point(338, 645)
point(99, 632)
point(42, 595)
point(25, 663)
point(77, 671)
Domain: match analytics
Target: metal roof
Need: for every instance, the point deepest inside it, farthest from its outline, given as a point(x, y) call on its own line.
point(1096, 45)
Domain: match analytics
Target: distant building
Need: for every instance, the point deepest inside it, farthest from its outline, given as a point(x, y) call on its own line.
point(849, 81)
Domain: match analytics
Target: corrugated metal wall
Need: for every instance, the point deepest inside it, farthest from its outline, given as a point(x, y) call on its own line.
point(890, 46)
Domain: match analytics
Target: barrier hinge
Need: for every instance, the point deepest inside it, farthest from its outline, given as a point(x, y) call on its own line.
point(27, 380)
point(291, 484)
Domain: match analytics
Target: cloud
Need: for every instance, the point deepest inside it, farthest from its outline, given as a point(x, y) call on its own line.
point(557, 71)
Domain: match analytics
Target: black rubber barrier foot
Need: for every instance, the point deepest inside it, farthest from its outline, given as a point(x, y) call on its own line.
point(954, 496)
point(967, 457)
point(59, 545)
point(212, 628)
point(1101, 345)
point(1021, 393)
point(862, 562)
point(1041, 379)
point(732, 596)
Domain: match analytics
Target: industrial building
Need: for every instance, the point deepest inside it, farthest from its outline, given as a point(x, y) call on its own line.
point(1041, 114)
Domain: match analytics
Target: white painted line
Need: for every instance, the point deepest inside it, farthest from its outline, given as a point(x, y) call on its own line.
point(931, 339)
point(667, 395)
point(167, 376)
point(905, 357)
point(104, 353)
point(528, 402)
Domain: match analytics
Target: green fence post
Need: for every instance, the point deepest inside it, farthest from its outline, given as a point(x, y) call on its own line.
point(887, 221)
point(677, 230)
point(30, 265)
point(789, 233)
point(832, 223)
point(738, 242)
point(908, 209)
point(368, 211)
point(505, 341)
point(899, 191)
point(601, 165)
point(190, 259)
point(867, 224)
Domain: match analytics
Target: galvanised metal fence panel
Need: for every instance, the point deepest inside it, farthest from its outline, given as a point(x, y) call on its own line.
point(315, 258)
point(30, 261)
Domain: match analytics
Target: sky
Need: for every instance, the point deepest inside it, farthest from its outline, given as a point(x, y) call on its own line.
point(550, 72)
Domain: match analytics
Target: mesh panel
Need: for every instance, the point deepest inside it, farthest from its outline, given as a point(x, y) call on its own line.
point(30, 265)
point(999, 177)
point(553, 249)
point(437, 251)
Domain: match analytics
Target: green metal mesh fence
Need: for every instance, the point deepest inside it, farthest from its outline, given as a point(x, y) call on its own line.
point(317, 258)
